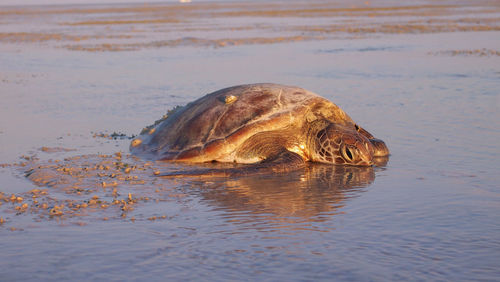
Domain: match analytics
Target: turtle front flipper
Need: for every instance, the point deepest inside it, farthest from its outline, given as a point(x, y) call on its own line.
point(282, 162)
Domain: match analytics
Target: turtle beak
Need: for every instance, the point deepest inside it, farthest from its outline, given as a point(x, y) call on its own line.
point(380, 149)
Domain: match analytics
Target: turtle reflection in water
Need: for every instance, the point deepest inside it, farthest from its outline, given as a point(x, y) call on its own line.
point(272, 127)
point(302, 196)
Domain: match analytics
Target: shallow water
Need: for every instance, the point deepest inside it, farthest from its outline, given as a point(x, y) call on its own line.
point(432, 213)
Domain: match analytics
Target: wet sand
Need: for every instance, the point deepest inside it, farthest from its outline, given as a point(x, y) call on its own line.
point(77, 82)
point(135, 27)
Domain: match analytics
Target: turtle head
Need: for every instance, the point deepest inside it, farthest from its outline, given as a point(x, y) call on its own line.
point(339, 144)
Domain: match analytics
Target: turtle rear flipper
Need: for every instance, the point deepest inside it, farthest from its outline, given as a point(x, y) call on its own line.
point(282, 162)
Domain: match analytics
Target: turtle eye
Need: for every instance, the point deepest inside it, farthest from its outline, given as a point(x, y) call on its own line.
point(348, 153)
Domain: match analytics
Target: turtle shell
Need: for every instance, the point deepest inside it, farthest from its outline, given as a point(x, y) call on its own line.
point(214, 127)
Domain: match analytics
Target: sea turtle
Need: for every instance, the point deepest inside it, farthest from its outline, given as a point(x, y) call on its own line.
point(268, 125)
